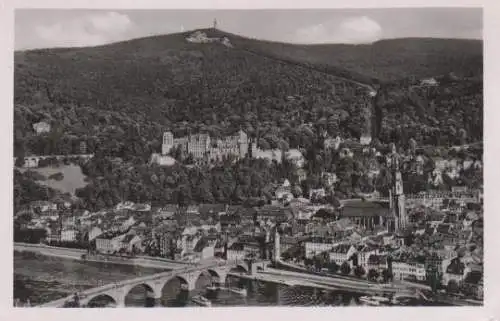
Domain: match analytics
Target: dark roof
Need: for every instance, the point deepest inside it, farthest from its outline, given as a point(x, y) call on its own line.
point(443, 228)
point(455, 267)
point(230, 218)
point(365, 209)
point(236, 246)
point(247, 238)
point(219, 243)
point(243, 211)
point(128, 238)
point(201, 244)
point(377, 259)
point(341, 248)
point(170, 208)
point(210, 209)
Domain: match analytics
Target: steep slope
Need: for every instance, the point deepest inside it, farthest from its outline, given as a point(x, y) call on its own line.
point(119, 98)
point(165, 82)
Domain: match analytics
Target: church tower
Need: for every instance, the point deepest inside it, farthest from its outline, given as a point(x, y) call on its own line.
point(397, 197)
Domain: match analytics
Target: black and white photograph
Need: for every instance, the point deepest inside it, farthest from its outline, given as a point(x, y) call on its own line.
point(247, 158)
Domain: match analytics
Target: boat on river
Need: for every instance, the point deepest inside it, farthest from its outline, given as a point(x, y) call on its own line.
point(375, 300)
point(240, 291)
point(215, 287)
point(404, 300)
point(201, 301)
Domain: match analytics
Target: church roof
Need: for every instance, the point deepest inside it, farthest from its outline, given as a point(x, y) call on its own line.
point(365, 209)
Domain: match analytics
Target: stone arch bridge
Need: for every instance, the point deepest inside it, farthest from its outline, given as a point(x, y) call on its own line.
point(155, 283)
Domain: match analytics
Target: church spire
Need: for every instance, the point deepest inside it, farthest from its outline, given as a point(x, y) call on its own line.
point(397, 197)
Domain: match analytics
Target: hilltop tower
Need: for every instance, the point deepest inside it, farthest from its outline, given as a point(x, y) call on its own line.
point(215, 23)
point(397, 198)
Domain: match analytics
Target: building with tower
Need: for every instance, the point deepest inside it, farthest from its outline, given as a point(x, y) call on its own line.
point(398, 219)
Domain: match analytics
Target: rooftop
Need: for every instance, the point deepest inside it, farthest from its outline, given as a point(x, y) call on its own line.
point(360, 208)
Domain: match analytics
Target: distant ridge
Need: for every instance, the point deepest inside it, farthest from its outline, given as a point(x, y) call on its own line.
point(383, 60)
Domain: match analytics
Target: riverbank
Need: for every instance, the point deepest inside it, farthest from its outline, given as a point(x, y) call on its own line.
point(40, 279)
point(76, 254)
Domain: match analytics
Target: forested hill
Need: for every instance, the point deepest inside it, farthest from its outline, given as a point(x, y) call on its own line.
point(384, 61)
point(119, 98)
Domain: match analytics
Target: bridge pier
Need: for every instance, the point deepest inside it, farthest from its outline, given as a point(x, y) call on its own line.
point(222, 276)
point(158, 302)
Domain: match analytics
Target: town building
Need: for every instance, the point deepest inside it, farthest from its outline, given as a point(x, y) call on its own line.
point(454, 271)
point(408, 270)
point(162, 160)
point(366, 214)
point(365, 139)
point(295, 157)
point(105, 245)
point(332, 143)
point(69, 235)
point(314, 248)
point(329, 178)
point(342, 253)
point(377, 263)
point(41, 128)
point(236, 252)
point(429, 82)
point(363, 253)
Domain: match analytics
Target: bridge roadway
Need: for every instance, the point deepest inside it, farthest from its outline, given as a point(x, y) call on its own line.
point(153, 283)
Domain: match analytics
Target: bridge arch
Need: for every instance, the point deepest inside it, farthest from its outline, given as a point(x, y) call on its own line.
point(104, 298)
point(241, 267)
point(184, 279)
point(150, 291)
point(218, 273)
point(244, 266)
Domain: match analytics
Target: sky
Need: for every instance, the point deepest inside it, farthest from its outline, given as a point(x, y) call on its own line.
point(46, 28)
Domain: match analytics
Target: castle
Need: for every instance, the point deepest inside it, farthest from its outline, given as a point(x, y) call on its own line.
point(203, 147)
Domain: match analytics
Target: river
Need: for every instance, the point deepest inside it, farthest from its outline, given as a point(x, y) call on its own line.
point(41, 279)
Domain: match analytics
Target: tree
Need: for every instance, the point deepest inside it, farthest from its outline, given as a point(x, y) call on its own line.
point(296, 191)
point(318, 262)
point(386, 275)
point(19, 162)
point(345, 268)
point(333, 267)
point(373, 274)
point(359, 271)
point(452, 286)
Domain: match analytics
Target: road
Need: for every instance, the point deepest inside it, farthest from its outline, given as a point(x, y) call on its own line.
point(285, 280)
point(76, 254)
point(360, 286)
